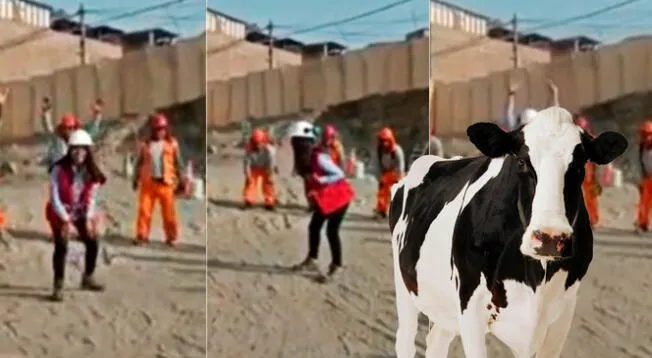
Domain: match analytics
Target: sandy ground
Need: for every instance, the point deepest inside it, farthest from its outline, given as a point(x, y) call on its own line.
point(257, 308)
point(154, 305)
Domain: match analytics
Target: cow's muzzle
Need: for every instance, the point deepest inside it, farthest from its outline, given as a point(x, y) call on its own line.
point(552, 244)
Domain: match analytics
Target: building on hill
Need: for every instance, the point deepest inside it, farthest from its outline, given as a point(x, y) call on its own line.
point(449, 15)
point(28, 12)
point(320, 50)
point(570, 45)
point(418, 34)
point(137, 40)
point(217, 21)
point(106, 34)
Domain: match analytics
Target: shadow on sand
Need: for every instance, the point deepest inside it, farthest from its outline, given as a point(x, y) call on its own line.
point(113, 239)
point(27, 292)
point(250, 267)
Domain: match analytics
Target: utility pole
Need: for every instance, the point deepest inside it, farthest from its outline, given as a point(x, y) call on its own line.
point(270, 45)
point(515, 58)
point(82, 35)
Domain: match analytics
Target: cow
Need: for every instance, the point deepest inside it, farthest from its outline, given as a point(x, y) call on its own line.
point(496, 243)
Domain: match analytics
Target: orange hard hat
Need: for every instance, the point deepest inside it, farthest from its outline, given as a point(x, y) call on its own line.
point(258, 136)
point(386, 133)
point(159, 121)
point(329, 132)
point(69, 120)
point(646, 127)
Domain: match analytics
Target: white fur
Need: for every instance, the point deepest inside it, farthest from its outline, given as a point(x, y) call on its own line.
point(533, 322)
point(551, 137)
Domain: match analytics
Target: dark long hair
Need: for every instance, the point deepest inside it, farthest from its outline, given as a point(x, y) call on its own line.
point(96, 175)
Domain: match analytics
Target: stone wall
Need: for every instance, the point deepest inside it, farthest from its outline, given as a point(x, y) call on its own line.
point(624, 115)
point(359, 121)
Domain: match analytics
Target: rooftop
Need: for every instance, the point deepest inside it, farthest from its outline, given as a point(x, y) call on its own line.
point(227, 16)
point(457, 7)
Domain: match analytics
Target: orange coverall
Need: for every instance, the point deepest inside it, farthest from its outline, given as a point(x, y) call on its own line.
point(158, 189)
point(259, 164)
point(645, 188)
point(591, 189)
point(392, 169)
point(336, 150)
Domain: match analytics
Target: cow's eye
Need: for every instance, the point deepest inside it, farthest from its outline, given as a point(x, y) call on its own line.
point(522, 165)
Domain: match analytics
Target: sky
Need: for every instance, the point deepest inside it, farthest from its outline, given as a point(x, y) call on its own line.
point(629, 20)
point(290, 15)
point(187, 18)
point(613, 26)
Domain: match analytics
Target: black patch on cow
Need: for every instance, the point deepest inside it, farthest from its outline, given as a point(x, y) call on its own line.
point(396, 208)
point(443, 182)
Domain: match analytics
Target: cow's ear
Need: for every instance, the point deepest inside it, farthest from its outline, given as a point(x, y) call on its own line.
point(606, 147)
point(490, 139)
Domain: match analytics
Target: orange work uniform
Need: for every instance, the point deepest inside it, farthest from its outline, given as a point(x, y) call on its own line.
point(645, 188)
point(336, 151)
point(259, 164)
point(392, 169)
point(591, 189)
point(161, 189)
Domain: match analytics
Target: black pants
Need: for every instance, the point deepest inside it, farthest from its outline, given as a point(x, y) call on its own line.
point(61, 251)
point(332, 233)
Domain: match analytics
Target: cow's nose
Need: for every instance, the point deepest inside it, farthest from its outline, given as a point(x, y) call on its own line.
point(551, 243)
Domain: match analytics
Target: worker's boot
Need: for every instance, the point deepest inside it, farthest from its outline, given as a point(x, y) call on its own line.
point(334, 271)
point(89, 283)
point(309, 264)
point(57, 291)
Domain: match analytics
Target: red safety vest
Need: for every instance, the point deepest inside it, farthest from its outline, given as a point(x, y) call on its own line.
point(328, 197)
point(65, 180)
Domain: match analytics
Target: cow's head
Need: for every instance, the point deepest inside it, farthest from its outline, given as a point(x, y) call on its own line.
point(549, 154)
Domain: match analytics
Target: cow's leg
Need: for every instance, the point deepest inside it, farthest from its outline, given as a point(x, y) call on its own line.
point(557, 332)
point(408, 321)
point(473, 327)
point(437, 342)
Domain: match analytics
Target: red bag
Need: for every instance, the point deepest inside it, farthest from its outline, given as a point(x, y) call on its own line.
point(332, 197)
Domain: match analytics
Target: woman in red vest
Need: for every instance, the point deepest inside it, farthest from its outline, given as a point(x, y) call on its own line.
point(74, 180)
point(331, 194)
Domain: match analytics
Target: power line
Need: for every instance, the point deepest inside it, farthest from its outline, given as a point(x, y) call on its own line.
point(362, 15)
point(140, 11)
point(556, 23)
point(350, 19)
point(34, 35)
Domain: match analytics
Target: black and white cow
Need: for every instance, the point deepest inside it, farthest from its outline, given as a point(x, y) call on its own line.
point(497, 243)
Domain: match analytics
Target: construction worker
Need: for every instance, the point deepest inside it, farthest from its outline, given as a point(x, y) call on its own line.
point(66, 210)
point(511, 121)
point(331, 142)
point(391, 162)
point(67, 123)
point(259, 168)
point(4, 93)
point(645, 188)
point(591, 187)
point(158, 174)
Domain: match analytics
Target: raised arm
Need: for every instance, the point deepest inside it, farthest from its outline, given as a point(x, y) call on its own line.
point(94, 127)
point(3, 99)
point(46, 116)
point(554, 93)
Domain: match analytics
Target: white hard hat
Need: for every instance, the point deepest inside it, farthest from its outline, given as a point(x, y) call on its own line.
point(80, 138)
point(528, 114)
point(302, 129)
